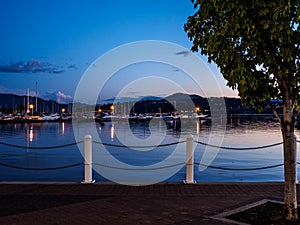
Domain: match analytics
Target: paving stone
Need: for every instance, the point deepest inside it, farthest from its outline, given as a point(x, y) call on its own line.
point(108, 203)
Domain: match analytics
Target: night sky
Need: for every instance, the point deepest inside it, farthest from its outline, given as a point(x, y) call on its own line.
point(54, 42)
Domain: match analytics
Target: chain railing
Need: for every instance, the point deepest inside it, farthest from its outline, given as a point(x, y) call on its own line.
point(40, 147)
point(189, 163)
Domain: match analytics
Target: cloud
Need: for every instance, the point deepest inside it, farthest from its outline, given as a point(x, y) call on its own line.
point(184, 53)
point(72, 66)
point(63, 98)
point(34, 66)
point(58, 96)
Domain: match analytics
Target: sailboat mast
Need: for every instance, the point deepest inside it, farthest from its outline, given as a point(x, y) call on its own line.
point(36, 94)
point(24, 103)
point(27, 100)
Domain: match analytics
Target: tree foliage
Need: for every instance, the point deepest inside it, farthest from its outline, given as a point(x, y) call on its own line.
point(255, 43)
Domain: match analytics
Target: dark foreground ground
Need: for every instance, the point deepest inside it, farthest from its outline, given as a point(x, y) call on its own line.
point(104, 203)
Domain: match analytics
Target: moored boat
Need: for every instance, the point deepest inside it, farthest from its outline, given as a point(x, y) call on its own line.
point(52, 117)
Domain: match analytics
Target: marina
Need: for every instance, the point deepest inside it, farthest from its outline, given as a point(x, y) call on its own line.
point(35, 119)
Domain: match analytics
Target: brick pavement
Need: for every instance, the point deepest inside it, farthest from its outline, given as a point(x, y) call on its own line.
point(106, 203)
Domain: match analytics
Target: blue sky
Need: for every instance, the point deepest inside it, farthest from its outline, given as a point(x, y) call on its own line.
point(54, 42)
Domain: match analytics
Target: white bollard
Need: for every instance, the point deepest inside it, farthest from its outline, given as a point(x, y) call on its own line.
point(88, 160)
point(189, 161)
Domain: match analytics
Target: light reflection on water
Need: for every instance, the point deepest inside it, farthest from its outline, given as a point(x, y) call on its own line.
point(112, 132)
point(54, 134)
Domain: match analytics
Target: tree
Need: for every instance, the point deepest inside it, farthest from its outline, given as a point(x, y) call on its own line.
point(255, 43)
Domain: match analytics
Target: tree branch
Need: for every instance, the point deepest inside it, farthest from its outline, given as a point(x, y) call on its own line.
point(274, 111)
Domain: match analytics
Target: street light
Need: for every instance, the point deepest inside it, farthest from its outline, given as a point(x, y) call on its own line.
point(63, 110)
point(197, 109)
point(112, 109)
point(99, 111)
point(31, 106)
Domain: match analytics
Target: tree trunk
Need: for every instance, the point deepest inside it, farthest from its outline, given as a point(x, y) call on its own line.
point(290, 162)
point(290, 177)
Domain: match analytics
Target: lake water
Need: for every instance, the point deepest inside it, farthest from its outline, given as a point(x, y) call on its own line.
point(57, 134)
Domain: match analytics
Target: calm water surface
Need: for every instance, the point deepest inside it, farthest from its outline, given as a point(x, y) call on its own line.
point(56, 134)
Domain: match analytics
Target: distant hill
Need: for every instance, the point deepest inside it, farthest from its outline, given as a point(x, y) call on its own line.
point(180, 101)
point(10, 103)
